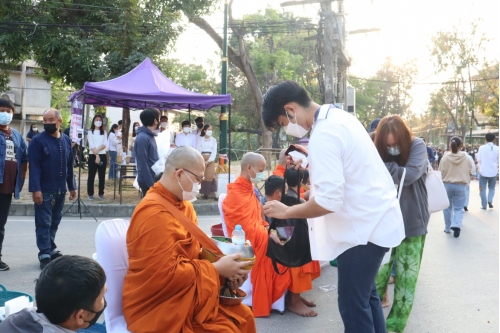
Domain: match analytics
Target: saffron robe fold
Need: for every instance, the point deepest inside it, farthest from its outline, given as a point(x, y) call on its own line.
point(167, 288)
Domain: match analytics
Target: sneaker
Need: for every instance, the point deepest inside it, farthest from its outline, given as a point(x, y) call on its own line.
point(56, 255)
point(447, 231)
point(101, 197)
point(456, 232)
point(44, 262)
point(489, 204)
point(465, 208)
point(91, 197)
point(3, 266)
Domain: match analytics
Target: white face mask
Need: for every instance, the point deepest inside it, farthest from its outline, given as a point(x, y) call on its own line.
point(34, 128)
point(136, 128)
point(295, 129)
point(164, 125)
point(187, 130)
point(98, 123)
point(209, 132)
point(191, 195)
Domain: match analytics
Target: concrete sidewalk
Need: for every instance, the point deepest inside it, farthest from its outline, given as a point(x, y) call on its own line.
point(457, 291)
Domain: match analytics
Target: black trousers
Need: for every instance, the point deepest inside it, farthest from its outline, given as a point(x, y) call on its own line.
point(359, 303)
point(100, 170)
point(5, 201)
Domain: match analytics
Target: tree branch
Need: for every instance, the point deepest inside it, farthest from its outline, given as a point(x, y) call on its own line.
point(204, 25)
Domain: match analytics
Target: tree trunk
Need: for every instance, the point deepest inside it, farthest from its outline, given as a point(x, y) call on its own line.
point(125, 128)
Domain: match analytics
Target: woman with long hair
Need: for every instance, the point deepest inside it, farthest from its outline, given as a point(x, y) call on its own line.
point(135, 127)
point(97, 156)
point(113, 148)
point(456, 170)
point(207, 146)
point(33, 131)
point(400, 150)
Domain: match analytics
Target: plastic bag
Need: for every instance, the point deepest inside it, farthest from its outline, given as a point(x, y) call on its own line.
point(136, 184)
point(163, 145)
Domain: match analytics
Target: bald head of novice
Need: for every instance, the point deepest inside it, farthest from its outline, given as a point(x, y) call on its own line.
point(251, 165)
point(184, 168)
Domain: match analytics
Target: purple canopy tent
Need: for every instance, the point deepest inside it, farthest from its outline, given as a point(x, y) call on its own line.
point(146, 86)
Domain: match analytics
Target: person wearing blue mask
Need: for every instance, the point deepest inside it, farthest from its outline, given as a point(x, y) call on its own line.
point(13, 166)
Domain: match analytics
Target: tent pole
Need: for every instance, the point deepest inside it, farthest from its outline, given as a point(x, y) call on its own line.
point(229, 141)
point(189, 112)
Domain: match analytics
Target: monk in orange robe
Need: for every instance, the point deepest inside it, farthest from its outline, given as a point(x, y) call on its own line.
point(281, 166)
point(167, 287)
point(242, 206)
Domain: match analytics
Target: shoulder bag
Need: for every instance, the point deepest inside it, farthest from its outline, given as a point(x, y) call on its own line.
point(436, 193)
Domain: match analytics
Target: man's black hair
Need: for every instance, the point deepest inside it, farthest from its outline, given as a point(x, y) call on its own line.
point(120, 122)
point(490, 137)
point(305, 173)
point(5, 103)
point(292, 177)
point(198, 120)
point(149, 115)
point(66, 285)
point(272, 184)
point(186, 123)
point(163, 117)
point(277, 97)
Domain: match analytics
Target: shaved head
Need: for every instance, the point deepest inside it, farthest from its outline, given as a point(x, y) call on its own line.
point(183, 157)
point(53, 112)
point(252, 159)
point(282, 158)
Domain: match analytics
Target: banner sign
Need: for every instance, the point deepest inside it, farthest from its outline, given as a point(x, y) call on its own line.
point(76, 118)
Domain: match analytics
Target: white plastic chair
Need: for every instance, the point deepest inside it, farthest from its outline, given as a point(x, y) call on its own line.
point(110, 243)
point(279, 305)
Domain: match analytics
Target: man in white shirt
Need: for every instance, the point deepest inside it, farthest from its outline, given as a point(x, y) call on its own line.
point(487, 159)
point(186, 138)
point(353, 211)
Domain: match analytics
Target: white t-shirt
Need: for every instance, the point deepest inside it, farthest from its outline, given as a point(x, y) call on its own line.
point(182, 139)
point(487, 158)
point(208, 145)
point(349, 179)
point(97, 139)
point(114, 143)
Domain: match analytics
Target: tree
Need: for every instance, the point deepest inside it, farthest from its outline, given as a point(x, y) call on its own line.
point(91, 40)
point(260, 49)
point(458, 55)
point(486, 94)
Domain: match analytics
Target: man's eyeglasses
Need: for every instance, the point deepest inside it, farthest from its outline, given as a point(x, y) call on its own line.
point(198, 179)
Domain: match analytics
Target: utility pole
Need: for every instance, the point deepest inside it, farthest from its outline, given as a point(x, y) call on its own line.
point(223, 113)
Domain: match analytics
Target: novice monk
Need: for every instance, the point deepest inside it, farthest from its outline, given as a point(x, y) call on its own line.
point(167, 288)
point(241, 206)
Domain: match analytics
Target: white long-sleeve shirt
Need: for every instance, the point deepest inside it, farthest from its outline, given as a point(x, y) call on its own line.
point(182, 139)
point(208, 145)
point(97, 139)
point(487, 159)
point(113, 142)
point(349, 179)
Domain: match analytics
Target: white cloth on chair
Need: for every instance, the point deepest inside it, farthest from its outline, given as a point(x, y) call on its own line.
point(279, 305)
point(111, 247)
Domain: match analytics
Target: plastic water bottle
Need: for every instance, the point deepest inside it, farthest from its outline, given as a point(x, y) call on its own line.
point(238, 235)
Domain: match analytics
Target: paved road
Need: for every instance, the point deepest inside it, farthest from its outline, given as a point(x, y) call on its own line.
point(457, 288)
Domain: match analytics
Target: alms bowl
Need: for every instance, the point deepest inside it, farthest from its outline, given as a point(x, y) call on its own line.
point(228, 248)
point(240, 296)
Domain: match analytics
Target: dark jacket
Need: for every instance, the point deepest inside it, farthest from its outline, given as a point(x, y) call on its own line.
point(51, 164)
point(21, 156)
point(146, 154)
point(413, 202)
point(30, 321)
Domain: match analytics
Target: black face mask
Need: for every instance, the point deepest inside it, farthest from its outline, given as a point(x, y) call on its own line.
point(97, 315)
point(199, 125)
point(50, 128)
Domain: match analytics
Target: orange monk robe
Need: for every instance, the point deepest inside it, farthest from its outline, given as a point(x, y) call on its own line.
point(167, 288)
point(241, 206)
point(279, 171)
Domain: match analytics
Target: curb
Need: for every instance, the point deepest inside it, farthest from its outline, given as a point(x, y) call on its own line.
point(104, 210)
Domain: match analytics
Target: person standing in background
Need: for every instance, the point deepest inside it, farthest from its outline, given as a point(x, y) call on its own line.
point(200, 124)
point(146, 151)
point(135, 127)
point(487, 158)
point(113, 147)
point(33, 131)
point(51, 175)
point(456, 170)
point(98, 159)
point(13, 167)
point(207, 146)
point(186, 138)
point(467, 189)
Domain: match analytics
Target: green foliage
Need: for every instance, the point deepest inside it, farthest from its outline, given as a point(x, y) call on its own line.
point(90, 40)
